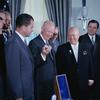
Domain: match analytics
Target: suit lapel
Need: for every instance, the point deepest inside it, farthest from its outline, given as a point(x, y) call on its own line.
point(96, 44)
point(88, 38)
point(41, 44)
point(71, 52)
point(52, 51)
point(24, 47)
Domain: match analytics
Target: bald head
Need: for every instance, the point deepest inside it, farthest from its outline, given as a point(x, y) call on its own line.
point(48, 29)
point(47, 24)
point(73, 35)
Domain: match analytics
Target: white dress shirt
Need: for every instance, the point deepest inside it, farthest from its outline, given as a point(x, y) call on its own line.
point(75, 50)
point(43, 57)
point(92, 38)
point(22, 37)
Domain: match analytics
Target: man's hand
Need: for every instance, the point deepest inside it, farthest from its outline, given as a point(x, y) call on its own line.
point(19, 98)
point(46, 49)
point(90, 82)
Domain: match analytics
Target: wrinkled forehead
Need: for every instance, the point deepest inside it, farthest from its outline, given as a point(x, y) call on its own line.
point(73, 32)
point(49, 27)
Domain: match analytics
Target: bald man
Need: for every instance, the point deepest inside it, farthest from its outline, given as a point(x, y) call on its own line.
point(44, 73)
point(73, 59)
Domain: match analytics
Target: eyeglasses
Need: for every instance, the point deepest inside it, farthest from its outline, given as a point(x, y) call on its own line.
point(50, 32)
point(55, 33)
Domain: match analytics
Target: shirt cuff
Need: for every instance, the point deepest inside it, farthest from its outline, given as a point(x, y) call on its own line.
point(43, 57)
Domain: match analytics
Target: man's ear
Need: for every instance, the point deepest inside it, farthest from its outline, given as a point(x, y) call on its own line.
point(24, 28)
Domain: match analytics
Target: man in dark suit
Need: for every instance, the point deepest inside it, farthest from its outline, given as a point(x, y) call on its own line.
point(20, 65)
point(44, 73)
point(93, 40)
point(2, 59)
point(73, 59)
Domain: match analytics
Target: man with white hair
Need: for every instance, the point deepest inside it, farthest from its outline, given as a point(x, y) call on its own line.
point(74, 60)
point(44, 73)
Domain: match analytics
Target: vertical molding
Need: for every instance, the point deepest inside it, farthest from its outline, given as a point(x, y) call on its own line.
point(83, 3)
point(23, 2)
point(70, 12)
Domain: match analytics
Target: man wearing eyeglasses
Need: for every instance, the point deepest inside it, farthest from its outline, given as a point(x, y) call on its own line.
point(2, 58)
point(44, 73)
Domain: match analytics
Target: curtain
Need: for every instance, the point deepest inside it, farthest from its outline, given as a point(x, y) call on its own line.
point(58, 12)
point(4, 5)
point(15, 10)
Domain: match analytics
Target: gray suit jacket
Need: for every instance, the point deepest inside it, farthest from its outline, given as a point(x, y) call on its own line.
point(20, 68)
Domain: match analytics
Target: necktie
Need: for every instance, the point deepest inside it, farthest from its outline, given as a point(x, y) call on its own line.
point(25, 41)
point(47, 43)
point(92, 39)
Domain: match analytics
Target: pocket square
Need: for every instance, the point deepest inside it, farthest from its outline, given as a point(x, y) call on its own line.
point(84, 52)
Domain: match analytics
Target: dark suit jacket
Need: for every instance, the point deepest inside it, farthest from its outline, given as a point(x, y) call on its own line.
point(44, 72)
point(86, 39)
point(20, 68)
point(2, 67)
point(2, 55)
point(76, 72)
point(96, 61)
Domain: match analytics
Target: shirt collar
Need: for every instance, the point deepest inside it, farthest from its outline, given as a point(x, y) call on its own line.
point(42, 38)
point(22, 37)
point(90, 36)
point(75, 45)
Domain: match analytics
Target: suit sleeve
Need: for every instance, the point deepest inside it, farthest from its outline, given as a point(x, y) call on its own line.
point(36, 53)
point(14, 69)
point(91, 64)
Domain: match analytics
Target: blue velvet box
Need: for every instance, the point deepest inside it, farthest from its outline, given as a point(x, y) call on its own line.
point(63, 87)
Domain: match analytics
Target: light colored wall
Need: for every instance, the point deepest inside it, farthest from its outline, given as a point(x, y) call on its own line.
point(93, 12)
point(37, 9)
